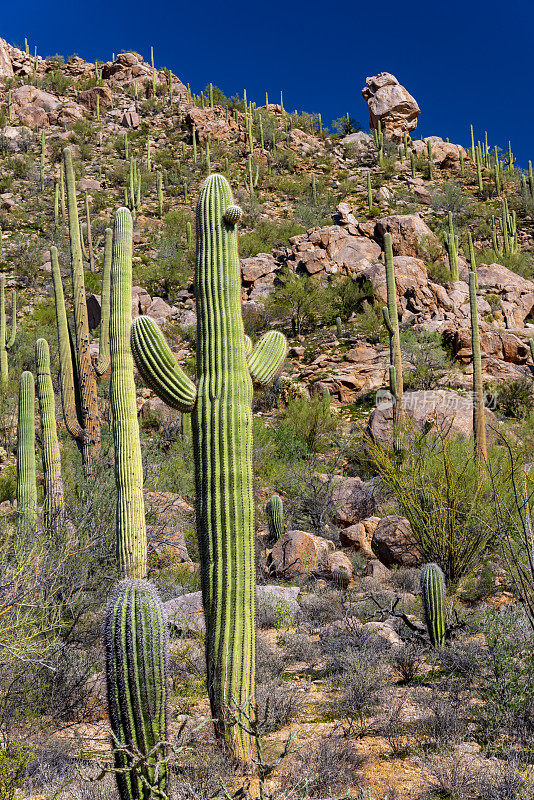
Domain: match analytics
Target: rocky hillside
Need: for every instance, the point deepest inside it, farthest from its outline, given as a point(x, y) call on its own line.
point(338, 590)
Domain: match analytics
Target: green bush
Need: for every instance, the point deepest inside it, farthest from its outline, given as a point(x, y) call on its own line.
point(267, 235)
point(515, 398)
point(298, 300)
point(428, 360)
point(13, 766)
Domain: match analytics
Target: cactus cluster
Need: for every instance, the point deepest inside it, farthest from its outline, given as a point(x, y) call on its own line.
point(433, 596)
point(221, 412)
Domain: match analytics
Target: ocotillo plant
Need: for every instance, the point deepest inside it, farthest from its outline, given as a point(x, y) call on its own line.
point(220, 403)
point(26, 479)
point(80, 408)
point(391, 319)
point(479, 419)
point(5, 343)
point(275, 517)
point(136, 678)
point(451, 244)
point(54, 505)
point(433, 596)
point(130, 511)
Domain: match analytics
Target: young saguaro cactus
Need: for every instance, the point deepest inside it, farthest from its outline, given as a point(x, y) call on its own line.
point(6, 343)
point(275, 517)
point(479, 419)
point(451, 244)
point(221, 409)
point(80, 407)
point(130, 510)
point(54, 505)
point(26, 479)
point(136, 678)
point(433, 596)
point(391, 319)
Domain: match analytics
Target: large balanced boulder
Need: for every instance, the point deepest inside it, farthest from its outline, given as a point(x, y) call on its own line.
point(390, 104)
point(450, 412)
point(6, 67)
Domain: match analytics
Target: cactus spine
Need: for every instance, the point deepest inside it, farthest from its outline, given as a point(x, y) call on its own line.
point(53, 506)
point(26, 480)
point(220, 403)
point(130, 516)
point(391, 319)
point(5, 343)
point(433, 596)
point(275, 517)
point(479, 420)
point(451, 244)
point(136, 678)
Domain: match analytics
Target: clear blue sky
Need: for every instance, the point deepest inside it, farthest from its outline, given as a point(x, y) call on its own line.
point(463, 61)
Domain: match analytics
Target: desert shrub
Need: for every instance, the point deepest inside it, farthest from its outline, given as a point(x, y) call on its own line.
point(449, 196)
point(442, 723)
point(438, 488)
point(327, 770)
point(515, 398)
point(13, 765)
point(278, 705)
point(321, 609)
point(269, 663)
point(273, 613)
point(267, 235)
point(362, 682)
point(299, 301)
point(349, 297)
point(369, 323)
point(428, 360)
point(405, 660)
point(299, 647)
point(56, 81)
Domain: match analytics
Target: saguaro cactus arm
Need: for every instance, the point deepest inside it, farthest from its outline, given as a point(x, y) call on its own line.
point(267, 357)
point(66, 371)
point(103, 362)
point(130, 513)
point(158, 366)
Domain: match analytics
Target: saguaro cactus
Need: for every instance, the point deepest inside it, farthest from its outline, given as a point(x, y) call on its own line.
point(220, 403)
point(433, 596)
point(479, 419)
point(136, 677)
point(275, 517)
point(391, 319)
point(451, 243)
point(80, 408)
point(53, 506)
point(130, 514)
point(6, 344)
point(26, 480)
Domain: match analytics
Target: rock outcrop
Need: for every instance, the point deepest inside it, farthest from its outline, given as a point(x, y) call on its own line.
point(391, 104)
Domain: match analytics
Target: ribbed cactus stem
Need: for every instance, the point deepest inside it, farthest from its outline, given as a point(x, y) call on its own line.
point(341, 578)
point(136, 676)
point(130, 516)
point(451, 243)
point(89, 234)
point(391, 319)
point(275, 517)
point(339, 328)
point(102, 365)
point(86, 377)
point(54, 505)
point(433, 596)
point(6, 344)
point(26, 479)
point(472, 257)
point(479, 419)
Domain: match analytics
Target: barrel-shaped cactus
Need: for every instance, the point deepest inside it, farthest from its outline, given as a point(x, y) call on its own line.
point(130, 513)
point(433, 595)
point(221, 406)
point(26, 479)
point(341, 578)
point(53, 505)
point(136, 677)
point(275, 517)
point(6, 343)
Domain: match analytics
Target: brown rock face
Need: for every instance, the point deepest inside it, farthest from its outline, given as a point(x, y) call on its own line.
point(390, 103)
point(410, 235)
point(211, 122)
point(299, 553)
point(33, 116)
point(353, 500)
point(393, 543)
point(6, 67)
point(360, 535)
point(88, 98)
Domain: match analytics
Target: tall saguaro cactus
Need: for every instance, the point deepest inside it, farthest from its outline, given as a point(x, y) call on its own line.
point(26, 479)
point(130, 515)
point(391, 319)
point(136, 677)
point(6, 343)
point(221, 410)
point(433, 596)
point(54, 505)
point(78, 380)
point(479, 419)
